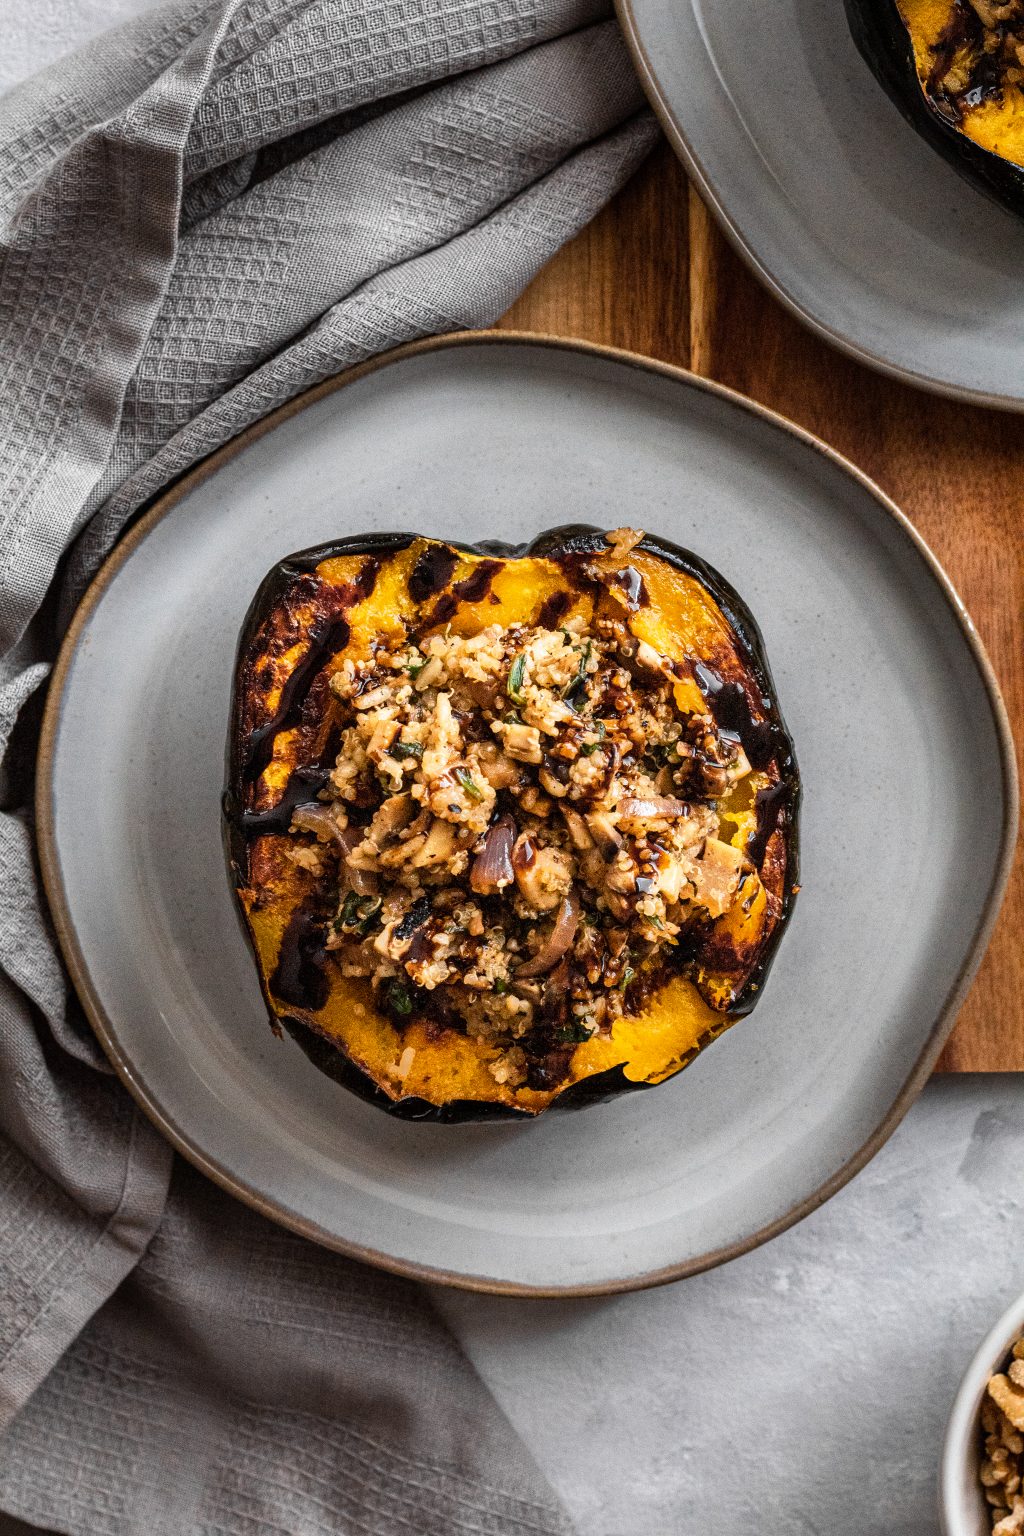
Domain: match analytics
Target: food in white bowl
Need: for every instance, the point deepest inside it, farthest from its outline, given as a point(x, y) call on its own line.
point(1002, 1424)
point(979, 1491)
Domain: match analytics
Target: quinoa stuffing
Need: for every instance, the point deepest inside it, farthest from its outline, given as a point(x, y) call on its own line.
point(1002, 1427)
point(979, 53)
point(529, 830)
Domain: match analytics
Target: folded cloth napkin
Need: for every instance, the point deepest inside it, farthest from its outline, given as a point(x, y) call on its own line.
point(200, 215)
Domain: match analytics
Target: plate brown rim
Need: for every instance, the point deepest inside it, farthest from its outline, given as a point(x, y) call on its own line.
point(106, 1031)
point(706, 187)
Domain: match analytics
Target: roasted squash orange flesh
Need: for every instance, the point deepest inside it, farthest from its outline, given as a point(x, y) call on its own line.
point(955, 69)
point(508, 828)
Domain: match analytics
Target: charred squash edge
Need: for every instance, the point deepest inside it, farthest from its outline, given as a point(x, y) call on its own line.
point(885, 43)
point(577, 538)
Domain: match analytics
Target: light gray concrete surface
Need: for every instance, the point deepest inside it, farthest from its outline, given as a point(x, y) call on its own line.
point(803, 1388)
point(800, 1391)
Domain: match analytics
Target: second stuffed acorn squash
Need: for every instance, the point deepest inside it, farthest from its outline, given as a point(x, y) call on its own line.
point(508, 828)
point(955, 69)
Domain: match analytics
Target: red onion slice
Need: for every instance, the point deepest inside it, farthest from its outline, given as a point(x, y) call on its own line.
point(317, 818)
point(562, 935)
point(524, 855)
point(361, 880)
point(492, 868)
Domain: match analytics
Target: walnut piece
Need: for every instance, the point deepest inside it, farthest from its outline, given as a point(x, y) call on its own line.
point(1002, 1465)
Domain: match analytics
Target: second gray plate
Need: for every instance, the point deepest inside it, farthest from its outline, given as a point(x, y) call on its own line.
point(846, 214)
point(907, 822)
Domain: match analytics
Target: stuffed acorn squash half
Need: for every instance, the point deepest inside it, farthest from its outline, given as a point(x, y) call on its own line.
point(508, 828)
point(955, 69)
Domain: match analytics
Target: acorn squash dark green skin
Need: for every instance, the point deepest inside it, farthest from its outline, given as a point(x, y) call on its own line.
point(239, 826)
point(885, 44)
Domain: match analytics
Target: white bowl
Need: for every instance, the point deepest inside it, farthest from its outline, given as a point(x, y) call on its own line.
point(962, 1504)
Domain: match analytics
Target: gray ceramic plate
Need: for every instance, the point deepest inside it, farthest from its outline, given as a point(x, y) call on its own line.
point(907, 820)
point(837, 204)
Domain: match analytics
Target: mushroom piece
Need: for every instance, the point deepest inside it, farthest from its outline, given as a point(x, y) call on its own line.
point(593, 868)
point(554, 786)
point(499, 771)
point(602, 828)
point(322, 821)
point(653, 808)
point(577, 828)
point(384, 733)
point(717, 875)
point(484, 694)
point(393, 817)
point(437, 847)
point(543, 875)
point(523, 743)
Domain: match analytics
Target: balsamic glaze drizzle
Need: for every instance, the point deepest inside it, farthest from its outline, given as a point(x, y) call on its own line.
point(632, 583)
point(472, 589)
point(729, 703)
point(432, 572)
point(772, 809)
point(303, 786)
point(476, 586)
point(300, 979)
point(358, 590)
point(328, 636)
point(964, 37)
point(762, 741)
point(554, 609)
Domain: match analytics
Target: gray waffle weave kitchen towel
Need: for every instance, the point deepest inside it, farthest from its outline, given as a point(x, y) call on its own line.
point(201, 215)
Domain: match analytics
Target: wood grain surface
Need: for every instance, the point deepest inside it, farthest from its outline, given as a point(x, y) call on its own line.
point(654, 275)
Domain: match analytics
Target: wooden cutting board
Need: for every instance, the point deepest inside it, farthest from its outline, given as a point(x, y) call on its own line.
point(653, 274)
